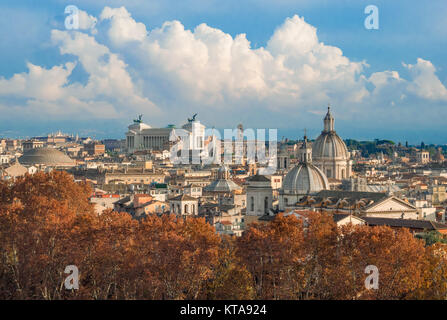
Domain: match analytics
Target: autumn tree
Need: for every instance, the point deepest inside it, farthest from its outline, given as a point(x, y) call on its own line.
point(231, 279)
point(273, 254)
point(398, 256)
point(177, 256)
point(36, 213)
point(47, 223)
point(434, 286)
point(312, 258)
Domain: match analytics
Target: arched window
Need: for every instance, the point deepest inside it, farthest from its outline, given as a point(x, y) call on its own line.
point(252, 204)
point(193, 209)
point(186, 208)
point(286, 201)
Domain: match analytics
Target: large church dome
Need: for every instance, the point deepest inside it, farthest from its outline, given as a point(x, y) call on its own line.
point(329, 145)
point(46, 156)
point(305, 178)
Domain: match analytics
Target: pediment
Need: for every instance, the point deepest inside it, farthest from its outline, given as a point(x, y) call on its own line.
point(391, 204)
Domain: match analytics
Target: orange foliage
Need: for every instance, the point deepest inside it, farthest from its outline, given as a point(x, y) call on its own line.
point(47, 223)
point(321, 261)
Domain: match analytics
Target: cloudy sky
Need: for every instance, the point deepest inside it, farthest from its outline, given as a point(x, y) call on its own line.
point(265, 64)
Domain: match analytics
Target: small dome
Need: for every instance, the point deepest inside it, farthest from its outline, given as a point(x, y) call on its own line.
point(305, 178)
point(46, 156)
point(222, 185)
point(329, 145)
point(223, 182)
point(16, 170)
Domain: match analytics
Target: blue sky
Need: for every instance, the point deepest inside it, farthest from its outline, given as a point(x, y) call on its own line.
point(295, 57)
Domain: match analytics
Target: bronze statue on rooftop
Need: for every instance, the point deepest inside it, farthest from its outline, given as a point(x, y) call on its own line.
point(138, 120)
point(193, 118)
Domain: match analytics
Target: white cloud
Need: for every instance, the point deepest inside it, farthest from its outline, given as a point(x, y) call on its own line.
point(210, 67)
point(422, 83)
point(384, 78)
point(109, 92)
point(208, 70)
point(38, 82)
point(87, 22)
point(388, 88)
point(425, 83)
point(123, 28)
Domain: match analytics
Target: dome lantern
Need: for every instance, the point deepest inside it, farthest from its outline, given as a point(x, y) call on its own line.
point(223, 173)
point(305, 151)
point(328, 120)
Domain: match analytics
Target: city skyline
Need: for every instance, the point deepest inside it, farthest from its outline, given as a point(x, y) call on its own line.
point(223, 154)
point(291, 133)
